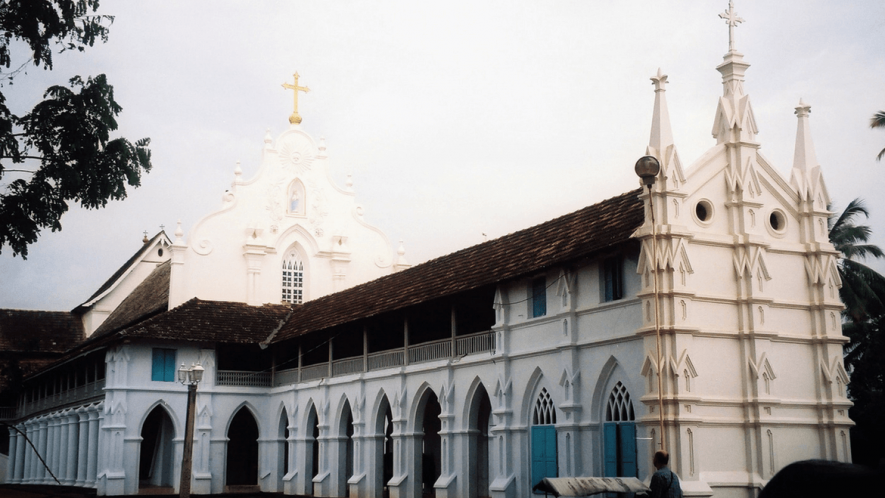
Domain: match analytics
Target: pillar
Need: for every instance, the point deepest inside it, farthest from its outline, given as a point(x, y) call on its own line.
point(40, 466)
point(92, 451)
point(61, 461)
point(82, 445)
point(10, 462)
point(20, 455)
point(73, 450)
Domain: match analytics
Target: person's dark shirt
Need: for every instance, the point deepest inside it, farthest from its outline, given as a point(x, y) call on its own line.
point(665, 484)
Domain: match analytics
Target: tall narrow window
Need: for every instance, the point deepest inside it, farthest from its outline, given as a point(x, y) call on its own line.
point(293, 279)
point(544, 461)
point(163, 365)
point(539, 297)
point(619, 435)
point(613, 285)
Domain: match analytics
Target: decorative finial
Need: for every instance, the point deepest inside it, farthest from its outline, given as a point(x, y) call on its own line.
point(732, 19)
point(162, 228)
point(179, 233)
point(145, 239)
point(659, 81)
point(268, 139)
point(803, 109)
point(322, 145)
point(295, 118)
point(238, 171)
point(349, 181)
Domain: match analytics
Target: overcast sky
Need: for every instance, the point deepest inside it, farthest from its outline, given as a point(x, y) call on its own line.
point(454, 118)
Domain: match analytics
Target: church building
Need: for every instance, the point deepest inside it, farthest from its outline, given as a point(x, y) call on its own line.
point(700, 315)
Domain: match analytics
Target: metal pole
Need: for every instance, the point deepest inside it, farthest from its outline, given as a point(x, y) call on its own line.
point(654, 259)
point(184, 487)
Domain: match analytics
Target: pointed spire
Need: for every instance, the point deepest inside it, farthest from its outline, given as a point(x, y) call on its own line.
point(661, 134)
point(734, 121)
point(804, 159)
point(805, 176)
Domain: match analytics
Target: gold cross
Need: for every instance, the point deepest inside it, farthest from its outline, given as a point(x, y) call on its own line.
point(295, 118)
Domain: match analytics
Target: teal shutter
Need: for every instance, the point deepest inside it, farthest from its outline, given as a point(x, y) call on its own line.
point(627, 449)
point(158, 365)
point(539, 297)
point(543, 453)
point(169, 366)
point(610, 439)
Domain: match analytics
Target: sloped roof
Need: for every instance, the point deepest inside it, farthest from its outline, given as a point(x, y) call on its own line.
point(149, 298)
point(122, 270)
point(212, 321)
point(24, 331)
point(562, 239)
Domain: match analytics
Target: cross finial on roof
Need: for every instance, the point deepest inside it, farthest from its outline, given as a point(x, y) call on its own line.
point(732, 19)
point(295, 118)
point(162, 227)
point(145, 239)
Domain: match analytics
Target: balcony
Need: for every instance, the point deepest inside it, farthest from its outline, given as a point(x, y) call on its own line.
point(482, 342)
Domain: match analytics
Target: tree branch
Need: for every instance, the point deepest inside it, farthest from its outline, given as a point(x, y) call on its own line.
point(19, 171)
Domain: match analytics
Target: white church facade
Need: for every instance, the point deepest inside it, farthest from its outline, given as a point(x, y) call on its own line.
point(475, 374)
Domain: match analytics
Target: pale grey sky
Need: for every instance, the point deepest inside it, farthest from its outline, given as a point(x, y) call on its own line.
point(455, 117)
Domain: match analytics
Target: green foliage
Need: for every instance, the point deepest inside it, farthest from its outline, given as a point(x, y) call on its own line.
point(878, 121)
point(863, 293)
point(863, 288)
point(64, 141)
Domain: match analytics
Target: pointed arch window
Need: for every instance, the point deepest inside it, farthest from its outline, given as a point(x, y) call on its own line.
point(293, 278)
point(619, 407)
point(545, 412)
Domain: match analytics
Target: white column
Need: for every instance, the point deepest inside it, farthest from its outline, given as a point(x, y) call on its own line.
point(20, 455)
point(51, 453)
point(10, 462)
point(40, 470)
point(92, 451)
point(73, 430)
point(29, 455)
point(82, 445)
point(61, 461)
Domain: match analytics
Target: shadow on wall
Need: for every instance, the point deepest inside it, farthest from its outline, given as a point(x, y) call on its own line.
point(825, 479)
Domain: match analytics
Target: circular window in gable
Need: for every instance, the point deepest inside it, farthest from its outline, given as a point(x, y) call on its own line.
point(777, 221)
point(703, 212)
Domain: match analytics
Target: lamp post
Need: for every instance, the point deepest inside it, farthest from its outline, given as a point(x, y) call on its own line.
point(647, 168)
point(189, 377)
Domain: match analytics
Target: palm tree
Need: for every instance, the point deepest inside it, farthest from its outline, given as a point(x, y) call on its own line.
point(878, 121)
point(863, 289)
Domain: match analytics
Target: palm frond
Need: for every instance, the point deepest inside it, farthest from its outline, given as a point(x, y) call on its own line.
point(878, 120)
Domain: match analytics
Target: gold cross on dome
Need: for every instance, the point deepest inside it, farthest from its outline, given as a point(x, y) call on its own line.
point(295, 118)
point(732, 19)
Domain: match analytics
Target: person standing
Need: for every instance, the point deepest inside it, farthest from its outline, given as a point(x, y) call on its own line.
point(664, 482)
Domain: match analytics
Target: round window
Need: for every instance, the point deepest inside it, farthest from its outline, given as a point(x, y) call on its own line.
point(777, 221)
point(703, 211)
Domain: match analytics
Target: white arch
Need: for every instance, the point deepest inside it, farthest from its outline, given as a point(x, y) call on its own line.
point(470, 400)
point(600, 393)
point(419, 401)
point(169, 412)
point(252, 410)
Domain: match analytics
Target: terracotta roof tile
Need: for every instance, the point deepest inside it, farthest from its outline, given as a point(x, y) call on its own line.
point(575, 235)
point(39, 331)
point(212, 321)
point(149, 298)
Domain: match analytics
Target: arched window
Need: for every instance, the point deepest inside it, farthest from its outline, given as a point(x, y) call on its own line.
point(543, 443)
point(293, 278)
point(619, 435)
point(619, 408)
point(545, 413)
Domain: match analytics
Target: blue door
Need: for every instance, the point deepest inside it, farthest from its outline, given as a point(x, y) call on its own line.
point(543, 453)
point(627, 450)
point(610, 438)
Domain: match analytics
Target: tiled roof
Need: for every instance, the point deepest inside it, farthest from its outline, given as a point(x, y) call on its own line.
point(149, 298)
point(119, 273)
point(39, 331)
point(575, 235)
point(212, 321)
